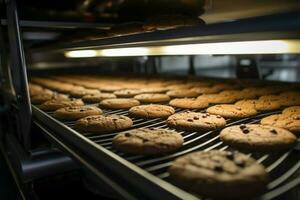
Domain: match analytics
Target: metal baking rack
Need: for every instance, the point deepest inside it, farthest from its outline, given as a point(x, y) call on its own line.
point(281, 166)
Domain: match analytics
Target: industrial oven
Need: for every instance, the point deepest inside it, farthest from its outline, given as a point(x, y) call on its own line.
point(232, 42)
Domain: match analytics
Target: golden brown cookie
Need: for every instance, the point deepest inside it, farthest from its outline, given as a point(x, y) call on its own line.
point(182, 93)
point(152, 98)
point(218, 174)
point(43, 97)
point(122, 103)
point(290, 122)
point(96, 98)
point(151, 111)
point(83, 92)
point(189, 103)
point(126, 93)
point(257, 137)
point(291, 110)
point(260, 105)
point(231, 111)
point(217, 98)
point(148, 141)
point(195, 121)
point(76, 112)
point(103, 124)
point(55, 104)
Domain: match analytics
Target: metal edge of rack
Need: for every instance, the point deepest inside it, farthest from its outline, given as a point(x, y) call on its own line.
point(59, 24)
point(140, 179)
point(184, 35)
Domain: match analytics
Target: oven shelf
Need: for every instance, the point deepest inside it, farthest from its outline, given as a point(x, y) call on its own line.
point(280, 26)
point(152, 170)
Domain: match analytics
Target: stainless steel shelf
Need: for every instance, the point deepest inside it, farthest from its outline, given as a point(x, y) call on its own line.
point(280, 26)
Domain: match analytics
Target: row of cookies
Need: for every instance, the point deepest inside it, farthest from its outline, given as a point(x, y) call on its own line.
point(181, 179)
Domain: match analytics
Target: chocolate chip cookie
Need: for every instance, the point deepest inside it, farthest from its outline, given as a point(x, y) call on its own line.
point(291, 110)
point(219, 174)
point(103, 124)
point(96, 98)
point(148, 141)
point(152, 98)
point(231, 111)
point(260, 105)
point(43, 97)
point(55, 104)
point(182, 93)
point(151, 111)
point(195, 121)
point(122, 103)
point(217, 98)
point(256, 137)
point(83, 92)
point(189, 103)
point(76, 112)
point(126, 93)
point(290, 122)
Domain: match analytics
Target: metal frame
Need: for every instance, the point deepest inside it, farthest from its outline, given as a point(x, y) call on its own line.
point(280, 26)
point(19, 74)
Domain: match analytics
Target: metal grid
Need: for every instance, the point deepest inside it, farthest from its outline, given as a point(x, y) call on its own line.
point(281, 166)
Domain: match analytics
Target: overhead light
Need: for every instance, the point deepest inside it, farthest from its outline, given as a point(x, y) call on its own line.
point(134, 51)
point(219, 48)
point(81, 54)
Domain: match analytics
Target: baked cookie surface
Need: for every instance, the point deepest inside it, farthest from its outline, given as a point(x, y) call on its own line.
point(195, 121)
point(151, 111)
point(232, 174)
point(96, 98)
point(148, 141)
point(103, 124)
point(231, 111)
point(290, 122)
point(121, 103)
point(55, 104)
point(76, 112)
point(189, 103)
point(260, 105)
point(152, 98)
point(256, 137)
point(182, 93)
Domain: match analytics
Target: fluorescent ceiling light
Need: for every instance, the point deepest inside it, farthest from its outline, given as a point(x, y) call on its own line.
point(219, 48)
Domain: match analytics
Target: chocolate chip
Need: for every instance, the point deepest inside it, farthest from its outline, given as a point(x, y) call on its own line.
point(189, 120)
point(218, 168)
point(204, 116)
point(145, 140)
point(230, 155)
point(246, 131)
point(240, 163)
point(296, 118)
point(127, 134)
point(243, 126)
point(114, 119)
point(196, 118)
point(273, 131)
point(238, 108)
